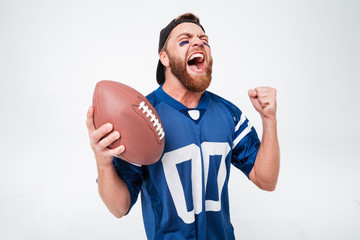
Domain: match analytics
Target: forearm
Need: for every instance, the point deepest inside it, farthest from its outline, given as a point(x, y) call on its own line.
point(113, 190)
point(267, 164)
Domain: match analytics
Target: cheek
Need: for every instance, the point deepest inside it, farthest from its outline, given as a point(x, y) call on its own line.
point(208, 54)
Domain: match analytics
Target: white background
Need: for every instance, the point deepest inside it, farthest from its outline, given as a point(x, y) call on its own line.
point(53, 52)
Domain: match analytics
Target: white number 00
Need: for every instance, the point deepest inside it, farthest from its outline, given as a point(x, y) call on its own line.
point(192, 153)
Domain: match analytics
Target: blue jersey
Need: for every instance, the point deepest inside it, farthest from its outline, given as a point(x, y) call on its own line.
point(185, 194)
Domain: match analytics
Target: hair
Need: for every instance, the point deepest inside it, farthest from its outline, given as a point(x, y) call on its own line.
point(188, 16)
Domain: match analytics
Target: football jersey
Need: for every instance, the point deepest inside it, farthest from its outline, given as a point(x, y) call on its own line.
point(184, 195)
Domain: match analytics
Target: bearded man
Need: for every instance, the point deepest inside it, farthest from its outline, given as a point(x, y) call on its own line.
point(185, 194)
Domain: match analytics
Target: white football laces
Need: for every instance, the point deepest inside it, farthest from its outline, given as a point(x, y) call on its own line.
point(153, 118)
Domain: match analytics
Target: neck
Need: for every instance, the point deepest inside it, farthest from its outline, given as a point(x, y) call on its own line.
point(177, 91)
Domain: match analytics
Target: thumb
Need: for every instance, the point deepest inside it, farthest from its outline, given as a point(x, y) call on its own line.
point(252, 93)
point(254, 100)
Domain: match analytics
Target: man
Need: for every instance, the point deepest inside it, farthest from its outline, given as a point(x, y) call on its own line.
point(185, 194)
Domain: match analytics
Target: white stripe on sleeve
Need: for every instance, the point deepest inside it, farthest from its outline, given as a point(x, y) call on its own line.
point(241, 121)
point(242, 135)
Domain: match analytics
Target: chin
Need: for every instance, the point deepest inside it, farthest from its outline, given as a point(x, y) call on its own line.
point(196, 83)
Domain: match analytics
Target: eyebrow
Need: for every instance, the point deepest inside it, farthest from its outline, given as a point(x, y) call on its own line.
point(190, 35)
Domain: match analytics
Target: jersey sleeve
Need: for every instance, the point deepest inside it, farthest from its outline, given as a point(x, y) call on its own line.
point(132, 176)
point(245, 146)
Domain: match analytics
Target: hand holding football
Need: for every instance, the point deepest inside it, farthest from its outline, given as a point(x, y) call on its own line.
point(132, 115)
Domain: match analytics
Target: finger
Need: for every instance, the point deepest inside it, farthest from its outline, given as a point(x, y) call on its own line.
point(262, 89)
point(262, 92)
point(259, 102)
point(264, 103)
point(117, 151)
point(263, 99)
point(100, 133)
point(267, 96)
point(107, 141)
point(90, 119)
point(266, 91)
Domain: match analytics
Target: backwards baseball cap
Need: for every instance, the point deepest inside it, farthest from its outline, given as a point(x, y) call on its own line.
point(164, 34)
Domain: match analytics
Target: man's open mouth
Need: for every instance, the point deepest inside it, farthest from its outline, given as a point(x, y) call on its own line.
point(196, 62)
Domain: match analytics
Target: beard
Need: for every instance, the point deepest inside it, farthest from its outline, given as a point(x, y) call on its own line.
point(195, 83)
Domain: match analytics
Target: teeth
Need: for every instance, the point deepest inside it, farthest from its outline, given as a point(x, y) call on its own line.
point(197, 55)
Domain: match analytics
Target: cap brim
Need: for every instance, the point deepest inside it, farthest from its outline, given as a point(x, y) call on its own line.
point(160, 73)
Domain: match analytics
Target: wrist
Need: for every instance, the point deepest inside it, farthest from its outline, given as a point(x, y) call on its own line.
point(105, 170)
point(104, 166)
point(269, 121)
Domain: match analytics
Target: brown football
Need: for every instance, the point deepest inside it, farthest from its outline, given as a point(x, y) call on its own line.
point(133, 117)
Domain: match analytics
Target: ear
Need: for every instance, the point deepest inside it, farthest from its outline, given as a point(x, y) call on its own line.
point(164, 58)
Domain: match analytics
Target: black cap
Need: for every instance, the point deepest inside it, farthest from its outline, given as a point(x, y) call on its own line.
point(164, 34)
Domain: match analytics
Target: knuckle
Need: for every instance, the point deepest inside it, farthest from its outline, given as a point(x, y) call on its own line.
point(112, 152)
point(108, 140)
point(93, 136)
point(103, 143)
point(98, 147)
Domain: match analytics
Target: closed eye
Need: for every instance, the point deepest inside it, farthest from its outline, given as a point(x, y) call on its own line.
point(206, 44)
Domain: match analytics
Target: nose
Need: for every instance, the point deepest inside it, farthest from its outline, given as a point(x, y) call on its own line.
point(197, 42)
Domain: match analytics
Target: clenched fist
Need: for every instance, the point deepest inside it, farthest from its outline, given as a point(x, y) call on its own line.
point(264, 101)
